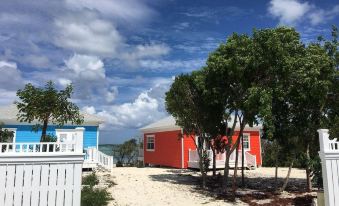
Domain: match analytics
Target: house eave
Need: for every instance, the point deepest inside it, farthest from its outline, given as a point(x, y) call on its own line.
point(160, 129)
point(16, 122)
point(175, 128)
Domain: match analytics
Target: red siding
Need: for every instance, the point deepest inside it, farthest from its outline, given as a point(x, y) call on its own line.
point(188, 144)
point(255, 147)
point(167, 150)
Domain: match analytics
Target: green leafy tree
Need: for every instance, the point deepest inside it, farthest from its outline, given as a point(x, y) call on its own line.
point(127, 152)
point(233, 77)
point(5, 134)
point(301, 78)
point(46, 105)
point(197, 113)
point(332, 104)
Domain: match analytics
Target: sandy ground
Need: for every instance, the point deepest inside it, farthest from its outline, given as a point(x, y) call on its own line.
point(164, 186)
point(270, 172)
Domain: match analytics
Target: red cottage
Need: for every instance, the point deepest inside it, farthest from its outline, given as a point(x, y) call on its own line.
point(163, 146)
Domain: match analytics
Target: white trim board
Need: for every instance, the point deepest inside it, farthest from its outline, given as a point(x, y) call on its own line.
point(14, 122)
point(249, 141)
point(147, 136)
point(182, 151)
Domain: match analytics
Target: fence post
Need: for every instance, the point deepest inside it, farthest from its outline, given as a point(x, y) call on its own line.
point(79, 141)
point(329, 155)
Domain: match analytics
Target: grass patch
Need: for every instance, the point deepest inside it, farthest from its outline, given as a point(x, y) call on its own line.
point(91, 196)
point(90, 180)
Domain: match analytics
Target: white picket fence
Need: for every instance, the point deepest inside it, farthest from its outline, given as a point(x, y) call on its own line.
point(329, 154)
point(41, 174)
point(28, 180)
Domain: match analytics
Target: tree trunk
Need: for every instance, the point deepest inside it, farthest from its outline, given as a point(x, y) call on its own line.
point(308, 171)
point(226, 172)
point(202, 170)
point(203, 180)
point(234, 184)
point(242, 162)
point(287, 177)
point(214, 162)
point(276, 171)
point(276, 176)
point(44, 131)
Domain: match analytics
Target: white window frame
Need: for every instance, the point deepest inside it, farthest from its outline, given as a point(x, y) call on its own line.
point(249, 141)
point(12, 130)
point(150, 136)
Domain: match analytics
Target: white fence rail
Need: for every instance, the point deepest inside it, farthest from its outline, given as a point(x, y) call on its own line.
point(251, 160)
point(36, 147)
point(95, 156)
point(329, 155)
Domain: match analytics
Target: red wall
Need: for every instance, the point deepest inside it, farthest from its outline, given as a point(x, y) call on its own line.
point(167, 150)
point(254, 144)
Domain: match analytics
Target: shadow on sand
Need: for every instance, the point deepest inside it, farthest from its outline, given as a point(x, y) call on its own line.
point(255, 188)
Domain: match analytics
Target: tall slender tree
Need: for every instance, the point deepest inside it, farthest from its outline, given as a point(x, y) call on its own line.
point(195, 113)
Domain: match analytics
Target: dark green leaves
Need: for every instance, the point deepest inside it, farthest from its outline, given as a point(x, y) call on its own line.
point(47, 105)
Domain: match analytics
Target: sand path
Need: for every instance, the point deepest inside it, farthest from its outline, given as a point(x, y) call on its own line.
point(156, 186)
point(164, 186)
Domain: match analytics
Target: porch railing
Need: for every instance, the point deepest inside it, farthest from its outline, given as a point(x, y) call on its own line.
point(95, 156)
point(141, 154)
point(37, 147)
point(249, 160)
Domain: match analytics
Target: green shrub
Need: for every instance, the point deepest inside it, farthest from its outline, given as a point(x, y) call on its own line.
point(317, 173)
point(91, 196)
point(90, 180)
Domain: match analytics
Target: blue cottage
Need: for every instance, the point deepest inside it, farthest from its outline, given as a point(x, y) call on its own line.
point(23, 131)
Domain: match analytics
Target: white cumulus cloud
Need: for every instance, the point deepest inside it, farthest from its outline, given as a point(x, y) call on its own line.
point(10, 76)
point(147, 51)
point(143, 109)
point(126, 10)
point(184, 65)
point(289, 12)
point(88, 109)
point(86, 67)
point(292, 12)
point(146, 108)
point(320, 15)
point(88, 34)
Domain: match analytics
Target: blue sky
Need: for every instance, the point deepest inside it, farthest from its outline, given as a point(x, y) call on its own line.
point(121, 56)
